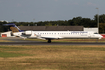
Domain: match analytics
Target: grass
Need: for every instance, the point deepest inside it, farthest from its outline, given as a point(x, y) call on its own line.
point(6, 54)
point(52, 57)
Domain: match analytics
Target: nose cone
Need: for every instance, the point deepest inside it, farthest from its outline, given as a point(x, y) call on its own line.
point(100, 37)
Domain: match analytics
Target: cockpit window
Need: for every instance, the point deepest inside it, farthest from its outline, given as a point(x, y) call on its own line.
point(95, 33)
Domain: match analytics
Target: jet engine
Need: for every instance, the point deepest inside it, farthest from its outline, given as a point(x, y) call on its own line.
point(27, 32)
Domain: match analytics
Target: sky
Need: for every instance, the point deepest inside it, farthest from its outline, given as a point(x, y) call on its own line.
point(49, 10)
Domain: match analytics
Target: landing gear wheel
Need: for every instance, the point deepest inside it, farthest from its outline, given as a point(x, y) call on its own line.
point(49, 40)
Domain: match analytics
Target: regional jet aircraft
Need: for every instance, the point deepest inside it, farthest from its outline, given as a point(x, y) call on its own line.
point(50, 35)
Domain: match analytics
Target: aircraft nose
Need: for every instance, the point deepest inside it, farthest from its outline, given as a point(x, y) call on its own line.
point(101, 37)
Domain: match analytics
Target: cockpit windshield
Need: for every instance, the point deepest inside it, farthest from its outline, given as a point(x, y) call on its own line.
point(95, 33)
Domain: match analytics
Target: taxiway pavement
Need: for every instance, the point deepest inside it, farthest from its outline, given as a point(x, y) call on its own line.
point(18, 41)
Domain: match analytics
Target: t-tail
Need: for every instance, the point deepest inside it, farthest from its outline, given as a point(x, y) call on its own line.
point(13, 27)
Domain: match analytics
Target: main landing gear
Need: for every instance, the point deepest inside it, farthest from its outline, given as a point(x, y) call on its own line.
point(49, 41)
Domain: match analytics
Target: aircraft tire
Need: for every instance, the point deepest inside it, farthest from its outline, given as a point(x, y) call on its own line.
point(49, 40)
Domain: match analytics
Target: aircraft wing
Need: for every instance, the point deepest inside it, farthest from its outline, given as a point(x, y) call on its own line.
point(50, 37)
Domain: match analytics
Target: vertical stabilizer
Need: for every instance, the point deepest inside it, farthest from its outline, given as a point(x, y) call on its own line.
point(13, 27)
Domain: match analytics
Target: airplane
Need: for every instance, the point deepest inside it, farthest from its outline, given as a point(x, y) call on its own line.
point(50, 35)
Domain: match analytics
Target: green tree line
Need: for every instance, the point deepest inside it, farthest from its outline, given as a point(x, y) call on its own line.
point(76, 21)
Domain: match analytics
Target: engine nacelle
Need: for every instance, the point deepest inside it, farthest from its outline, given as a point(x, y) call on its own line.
point(28, 32)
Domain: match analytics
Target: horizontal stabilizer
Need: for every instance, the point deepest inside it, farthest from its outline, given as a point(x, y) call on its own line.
point(9, 24)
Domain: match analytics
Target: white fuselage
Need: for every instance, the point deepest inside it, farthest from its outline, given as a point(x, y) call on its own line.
point(58, 34)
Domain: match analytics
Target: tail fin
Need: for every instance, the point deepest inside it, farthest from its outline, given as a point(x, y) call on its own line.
point(13, 27)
